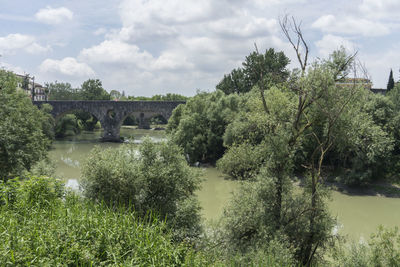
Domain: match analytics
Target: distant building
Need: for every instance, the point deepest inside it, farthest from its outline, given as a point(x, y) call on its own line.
point(27, 84)
point(366, 83)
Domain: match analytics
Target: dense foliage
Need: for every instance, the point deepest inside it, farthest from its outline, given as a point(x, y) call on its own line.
point(381, 250)
point(198, 126)
point(62, 91)
point(153, 177)
point(42, 225)
point(23, 129)
point(258, 69)
point(303, 124)
point(166, 97)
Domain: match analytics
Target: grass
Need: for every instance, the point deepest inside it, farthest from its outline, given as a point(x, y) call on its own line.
point(77, 232)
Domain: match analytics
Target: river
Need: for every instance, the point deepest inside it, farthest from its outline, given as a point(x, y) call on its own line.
point(358, 216)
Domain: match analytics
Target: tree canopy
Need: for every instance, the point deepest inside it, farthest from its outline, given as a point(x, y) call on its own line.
point(258, 69)
point(22, 138)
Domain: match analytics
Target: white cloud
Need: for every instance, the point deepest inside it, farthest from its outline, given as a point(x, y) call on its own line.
point(167, 19)
point(115, 51)
point(12, 68)
point(53, 16)
point(350, 25)
point(16, 42)
point(172, 60)
point(68, 66)
point(387, 9)
point(330, 42)
point(35, 48)
point(379, 64)
point(165, 11)
point(268, 3)
point(244, 26)
point(122, 54)
point(100, 31)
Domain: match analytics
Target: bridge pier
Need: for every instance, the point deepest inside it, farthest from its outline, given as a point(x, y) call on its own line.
point(144, 123)
point(110, 123)
point(111, 135)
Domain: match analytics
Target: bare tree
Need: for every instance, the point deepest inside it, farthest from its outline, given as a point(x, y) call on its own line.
point(311, 98)
point(289, 26)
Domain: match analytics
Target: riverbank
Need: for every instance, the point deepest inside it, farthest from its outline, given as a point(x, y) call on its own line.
point(379, 189)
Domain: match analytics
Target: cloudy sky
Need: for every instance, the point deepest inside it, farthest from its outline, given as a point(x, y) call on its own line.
point(148, 47)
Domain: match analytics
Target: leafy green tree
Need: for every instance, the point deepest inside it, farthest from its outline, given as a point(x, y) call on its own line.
point(390, 83)
point(154, 178)
point(166, 97)
point(234, 82)
point(92, 89)
point(258, 69)
point(22, 141)
point(264, 69)
point(301, 124)
point(115, 95)
point(62, 91)
point(48, 121)
point(199, 125)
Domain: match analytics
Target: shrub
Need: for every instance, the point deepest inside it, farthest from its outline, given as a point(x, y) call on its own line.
point(242, 161)
point(38, 191)
point(383, 249)
point(155, 178)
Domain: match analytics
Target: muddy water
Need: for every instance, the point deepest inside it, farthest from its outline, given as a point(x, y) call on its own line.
point(358, 216)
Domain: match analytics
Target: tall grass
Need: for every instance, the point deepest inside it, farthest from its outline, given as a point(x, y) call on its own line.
point(39, 228)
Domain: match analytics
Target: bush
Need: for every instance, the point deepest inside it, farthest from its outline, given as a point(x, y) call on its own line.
point(242, 161)
point(382, 250)
point(155, 178)
point(37, 191)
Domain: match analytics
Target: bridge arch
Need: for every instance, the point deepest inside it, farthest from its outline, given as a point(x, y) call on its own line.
point(111, 114)
point(144, 118)
point(79, 114)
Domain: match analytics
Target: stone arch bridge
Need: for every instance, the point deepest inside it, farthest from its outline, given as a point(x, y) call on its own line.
point(112, 114)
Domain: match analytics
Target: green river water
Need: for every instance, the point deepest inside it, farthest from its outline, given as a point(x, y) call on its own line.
point(358, 216)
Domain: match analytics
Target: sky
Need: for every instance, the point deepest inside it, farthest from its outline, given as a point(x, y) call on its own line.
point(148, 47)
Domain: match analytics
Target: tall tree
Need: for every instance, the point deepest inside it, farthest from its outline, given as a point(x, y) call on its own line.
point(258, 69)
point(390, 83)
point(234, 82)
point(22, 141)
point(61, 91)
point(92, 89)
